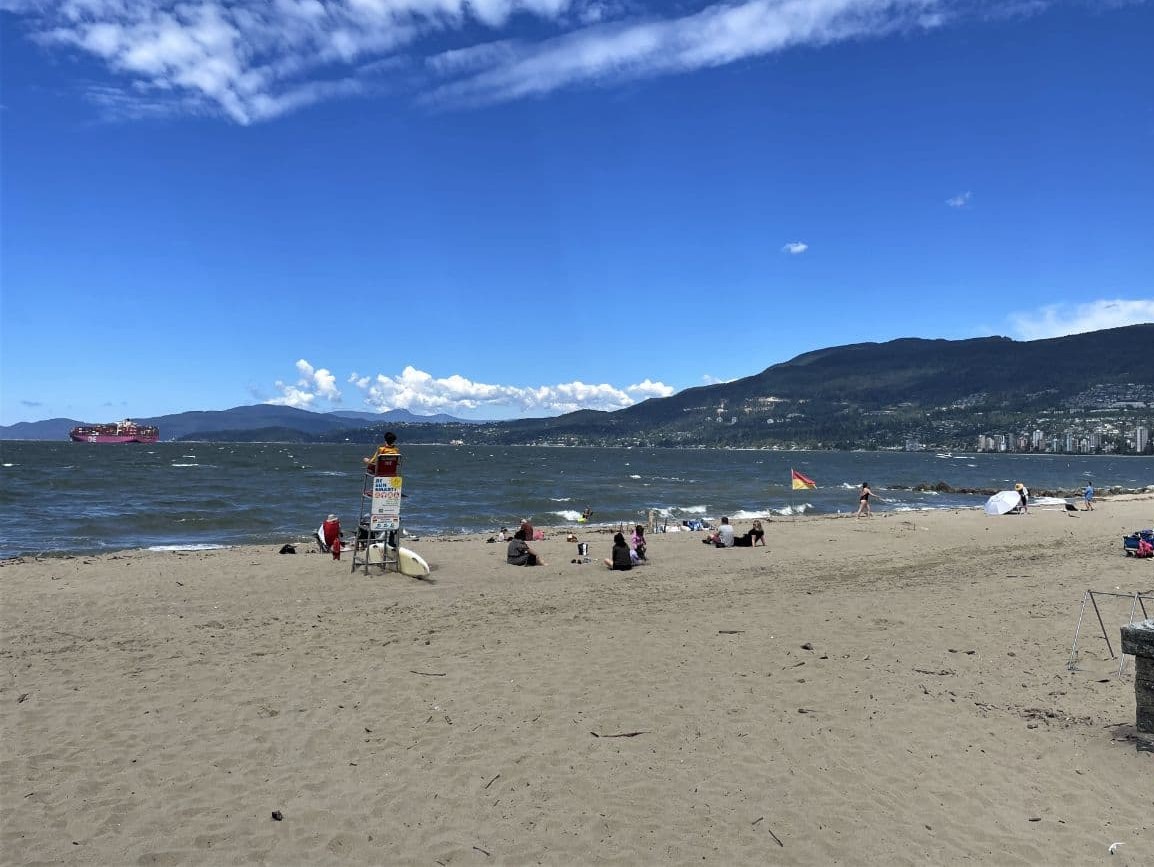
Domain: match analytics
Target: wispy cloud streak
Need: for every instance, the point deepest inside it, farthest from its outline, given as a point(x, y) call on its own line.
point(252, 60)
point(716, 35)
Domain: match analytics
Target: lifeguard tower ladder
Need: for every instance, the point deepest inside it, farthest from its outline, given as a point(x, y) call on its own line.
point(379, 516)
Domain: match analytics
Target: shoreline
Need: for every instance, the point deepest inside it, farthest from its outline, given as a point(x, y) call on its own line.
point(307, 541)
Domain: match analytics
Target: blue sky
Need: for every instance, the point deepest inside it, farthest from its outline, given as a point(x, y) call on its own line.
point(506, 208)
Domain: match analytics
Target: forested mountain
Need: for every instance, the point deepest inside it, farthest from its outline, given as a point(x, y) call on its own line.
point(939, 393)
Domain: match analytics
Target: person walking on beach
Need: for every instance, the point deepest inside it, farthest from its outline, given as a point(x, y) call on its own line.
point(1088, 498)
point(621, 558)
point(863, 501)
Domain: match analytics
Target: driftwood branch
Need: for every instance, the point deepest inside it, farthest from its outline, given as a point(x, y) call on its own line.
point(619, 735)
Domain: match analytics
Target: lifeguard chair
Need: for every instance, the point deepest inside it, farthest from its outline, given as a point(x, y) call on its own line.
point(379, 516)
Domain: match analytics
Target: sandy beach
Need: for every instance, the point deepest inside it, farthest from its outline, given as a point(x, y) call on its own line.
point(883, 691)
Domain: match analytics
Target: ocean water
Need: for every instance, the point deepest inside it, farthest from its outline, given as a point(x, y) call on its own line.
point(82, 498)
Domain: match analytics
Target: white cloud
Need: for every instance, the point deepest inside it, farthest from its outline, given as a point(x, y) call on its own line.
point(795, 248)
point(647, 389)
point(719, 34)
point(252, 60)
point(1058, 320)
point(313, 383)
point(960, 200)
point(424, 394)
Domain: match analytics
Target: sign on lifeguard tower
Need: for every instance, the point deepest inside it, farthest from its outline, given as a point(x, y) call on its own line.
point(386, 514)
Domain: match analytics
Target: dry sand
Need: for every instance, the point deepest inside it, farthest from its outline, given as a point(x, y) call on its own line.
point(884, 691)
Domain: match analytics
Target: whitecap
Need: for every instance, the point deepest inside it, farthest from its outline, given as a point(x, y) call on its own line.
point(568, 515)
point(793, 510)
point(204, 547)
point(743, 515)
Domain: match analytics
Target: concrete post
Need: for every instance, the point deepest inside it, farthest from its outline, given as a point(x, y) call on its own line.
point(1138, 639)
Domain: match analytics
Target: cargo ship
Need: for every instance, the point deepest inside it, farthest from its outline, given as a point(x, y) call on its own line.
point(126, 431)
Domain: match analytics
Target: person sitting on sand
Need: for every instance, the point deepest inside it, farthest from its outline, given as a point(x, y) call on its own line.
point(527, 530)
point(520, 554)
point(723, 538)
point(754, 536)
point(622, 555)
point(637, 542)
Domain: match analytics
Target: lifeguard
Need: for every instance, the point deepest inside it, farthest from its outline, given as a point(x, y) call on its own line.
point(383, 462)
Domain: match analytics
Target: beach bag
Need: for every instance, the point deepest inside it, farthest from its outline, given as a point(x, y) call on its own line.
point(1145, 549)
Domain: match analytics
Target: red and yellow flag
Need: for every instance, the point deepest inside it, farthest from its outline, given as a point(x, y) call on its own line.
point(800, 482)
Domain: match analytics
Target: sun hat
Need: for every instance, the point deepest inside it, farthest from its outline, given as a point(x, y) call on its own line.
point(332, 518)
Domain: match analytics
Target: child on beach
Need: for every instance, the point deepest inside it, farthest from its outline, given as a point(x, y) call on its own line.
point(637, 542)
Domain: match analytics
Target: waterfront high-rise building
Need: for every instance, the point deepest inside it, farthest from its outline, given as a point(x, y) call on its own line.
point(1141, 438)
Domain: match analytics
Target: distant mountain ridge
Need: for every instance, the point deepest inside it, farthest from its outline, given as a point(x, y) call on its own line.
point(239, 419)
point(867, 395)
